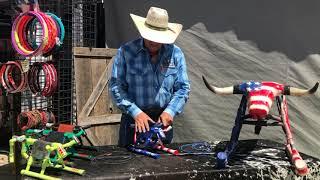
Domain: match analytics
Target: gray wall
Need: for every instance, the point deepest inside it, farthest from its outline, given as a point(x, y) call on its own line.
point(233, 41)
point(290, 26)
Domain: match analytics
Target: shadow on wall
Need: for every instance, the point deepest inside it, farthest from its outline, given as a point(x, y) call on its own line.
point(291, 26)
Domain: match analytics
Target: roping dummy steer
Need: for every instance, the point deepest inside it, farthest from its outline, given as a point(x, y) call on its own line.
point(258, 97)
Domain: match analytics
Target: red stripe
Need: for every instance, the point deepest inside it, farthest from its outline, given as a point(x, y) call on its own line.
point(262, 92)
point(275, 85)
point(258, 113)
point(303, 171)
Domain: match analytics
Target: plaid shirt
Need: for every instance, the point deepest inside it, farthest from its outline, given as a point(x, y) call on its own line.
point(137, 84)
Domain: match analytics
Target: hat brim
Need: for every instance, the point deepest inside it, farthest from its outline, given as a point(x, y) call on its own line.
point(160, 36)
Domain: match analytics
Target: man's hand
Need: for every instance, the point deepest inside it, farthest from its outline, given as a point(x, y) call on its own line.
point(142, 122)
point(166, 119)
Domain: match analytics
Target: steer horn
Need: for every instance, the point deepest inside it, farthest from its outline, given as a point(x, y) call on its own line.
point(300, 92)
point(223, 91)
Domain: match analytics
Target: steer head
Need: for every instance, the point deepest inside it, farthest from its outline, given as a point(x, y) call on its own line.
point(260, 95)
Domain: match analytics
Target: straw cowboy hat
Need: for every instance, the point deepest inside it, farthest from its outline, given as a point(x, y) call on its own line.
point(155, 27)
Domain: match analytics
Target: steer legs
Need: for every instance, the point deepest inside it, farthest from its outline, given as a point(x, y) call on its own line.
point(300, 165)
point(223, 157)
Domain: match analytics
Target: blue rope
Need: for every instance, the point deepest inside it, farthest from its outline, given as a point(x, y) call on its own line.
point(196, 147)
point(60, 26)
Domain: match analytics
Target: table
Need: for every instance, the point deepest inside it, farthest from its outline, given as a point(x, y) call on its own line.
point(254, 159)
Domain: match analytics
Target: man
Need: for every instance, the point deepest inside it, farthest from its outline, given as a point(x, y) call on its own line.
point(149, 81)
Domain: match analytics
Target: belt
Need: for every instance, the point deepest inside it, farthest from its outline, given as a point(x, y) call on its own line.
point(153, 113)
point(153, 110)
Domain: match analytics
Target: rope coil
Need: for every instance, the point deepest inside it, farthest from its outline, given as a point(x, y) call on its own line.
point(14, 79)
point(35, 119)
point(51, 78)
point(7, 74)
point(24, 33)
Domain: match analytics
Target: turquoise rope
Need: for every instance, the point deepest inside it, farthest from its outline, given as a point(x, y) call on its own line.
point(61, 28)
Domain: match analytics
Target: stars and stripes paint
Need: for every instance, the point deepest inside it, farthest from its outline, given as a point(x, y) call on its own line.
point(261, 96)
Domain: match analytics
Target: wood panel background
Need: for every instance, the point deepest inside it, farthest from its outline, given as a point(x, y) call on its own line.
point(94, 105)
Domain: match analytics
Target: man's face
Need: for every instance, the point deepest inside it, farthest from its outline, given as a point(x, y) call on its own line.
point(153, 47)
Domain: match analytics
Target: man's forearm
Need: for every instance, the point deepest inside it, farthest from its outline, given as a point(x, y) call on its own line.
point(178, 101)
point(120, 98)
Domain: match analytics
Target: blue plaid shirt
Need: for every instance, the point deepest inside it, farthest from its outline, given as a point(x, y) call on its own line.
point(135, 84)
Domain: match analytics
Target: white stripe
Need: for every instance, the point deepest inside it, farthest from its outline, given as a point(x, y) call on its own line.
point(259, 106)
point(261, 98)
point(275, 91)
point(172, 151)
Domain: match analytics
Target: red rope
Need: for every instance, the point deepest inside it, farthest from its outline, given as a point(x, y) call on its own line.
point(7, 75)
point(35, 119)
point(51, 79)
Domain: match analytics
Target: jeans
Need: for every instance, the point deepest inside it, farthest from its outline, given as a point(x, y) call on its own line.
point(127, 128)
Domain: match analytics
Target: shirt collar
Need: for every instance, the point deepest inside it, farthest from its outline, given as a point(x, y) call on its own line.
point(141, 46)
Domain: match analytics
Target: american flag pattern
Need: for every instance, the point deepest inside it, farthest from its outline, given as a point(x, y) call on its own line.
point(171, 151)
point(261, 96)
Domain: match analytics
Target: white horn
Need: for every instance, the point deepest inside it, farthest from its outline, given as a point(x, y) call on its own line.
point(216, 90)
point(300, 92)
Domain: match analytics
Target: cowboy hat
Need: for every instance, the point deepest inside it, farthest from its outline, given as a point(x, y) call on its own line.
point(155, 27)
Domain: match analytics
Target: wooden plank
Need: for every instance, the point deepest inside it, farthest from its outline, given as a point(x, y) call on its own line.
point(109, 71)
point(95, 110)
point(98, 67)
point(97, 52)
point(82, 78)
point(98, 89)
point(102, 134)
point(112, 108)
point(100, 120)
point(113, 137)
point(82, 68)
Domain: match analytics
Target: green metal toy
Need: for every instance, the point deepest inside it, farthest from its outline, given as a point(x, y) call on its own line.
point(43, 153)
point(64, 133)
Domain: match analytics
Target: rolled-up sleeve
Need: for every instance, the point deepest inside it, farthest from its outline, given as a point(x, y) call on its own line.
point(181, 88)
point(118, 86)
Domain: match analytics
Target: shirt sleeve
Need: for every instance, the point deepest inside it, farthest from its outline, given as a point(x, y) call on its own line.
point(181, 88)
point(118, 86)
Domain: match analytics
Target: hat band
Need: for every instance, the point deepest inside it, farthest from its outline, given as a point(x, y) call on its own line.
point(155, 28)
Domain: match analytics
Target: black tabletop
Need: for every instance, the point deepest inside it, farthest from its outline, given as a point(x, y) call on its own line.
point(253, 159)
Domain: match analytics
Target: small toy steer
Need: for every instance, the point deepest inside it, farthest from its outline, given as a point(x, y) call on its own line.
point(150, 140)
point(43, 154)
